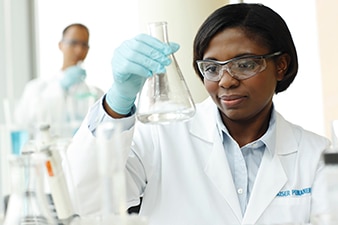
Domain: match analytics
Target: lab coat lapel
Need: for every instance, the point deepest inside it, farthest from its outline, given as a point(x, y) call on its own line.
point(219, 173)
point(269, 181)
point(271, 176)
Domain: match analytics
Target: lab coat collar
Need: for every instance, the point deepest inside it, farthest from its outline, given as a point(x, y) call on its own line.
point(268, 139)
point(203, 124)
point(286, 137)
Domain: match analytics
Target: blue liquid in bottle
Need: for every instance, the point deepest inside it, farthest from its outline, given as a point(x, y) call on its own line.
point(18, 139)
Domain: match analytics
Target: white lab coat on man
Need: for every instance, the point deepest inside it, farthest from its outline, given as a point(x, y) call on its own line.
point(182, 172)
point(44, 101)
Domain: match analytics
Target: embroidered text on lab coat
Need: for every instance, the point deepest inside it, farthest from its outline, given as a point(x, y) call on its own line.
point(294, 192)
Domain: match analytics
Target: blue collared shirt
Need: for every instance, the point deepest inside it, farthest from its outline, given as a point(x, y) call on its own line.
point(244, 162)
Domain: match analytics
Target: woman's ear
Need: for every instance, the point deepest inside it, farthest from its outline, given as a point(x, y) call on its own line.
point(283, 62)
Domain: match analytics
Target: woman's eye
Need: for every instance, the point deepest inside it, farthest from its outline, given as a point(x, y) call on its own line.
point(210, 68)
point(247, 64)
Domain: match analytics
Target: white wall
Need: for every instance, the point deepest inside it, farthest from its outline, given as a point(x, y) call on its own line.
point(328, 36)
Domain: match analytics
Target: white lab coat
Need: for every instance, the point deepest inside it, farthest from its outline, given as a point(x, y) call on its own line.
point(183, 173)
point(44, 101)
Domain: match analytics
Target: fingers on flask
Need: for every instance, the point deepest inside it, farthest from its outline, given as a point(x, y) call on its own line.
point(165, 97)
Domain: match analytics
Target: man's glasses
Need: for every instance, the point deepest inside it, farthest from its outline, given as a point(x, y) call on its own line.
point(74, 43)
point(240, 68)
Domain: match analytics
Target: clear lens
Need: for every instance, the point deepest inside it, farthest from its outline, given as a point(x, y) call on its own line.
point(210, 70)
point(245, 68)
point(239, 69)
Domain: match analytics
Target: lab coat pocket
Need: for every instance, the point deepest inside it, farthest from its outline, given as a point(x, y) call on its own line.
point(288, 209)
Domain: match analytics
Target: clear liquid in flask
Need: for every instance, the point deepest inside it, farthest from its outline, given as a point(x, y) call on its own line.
point(165, 97)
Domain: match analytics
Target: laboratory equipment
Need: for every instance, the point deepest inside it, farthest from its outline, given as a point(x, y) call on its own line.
point(18, 139)
point(111, 162)
point(331, 183)
point(28, 204)
point(53, 149)
point(111, 169)
point(79, 94)
point(19, 133)
point(164, 97)
point(79, 97)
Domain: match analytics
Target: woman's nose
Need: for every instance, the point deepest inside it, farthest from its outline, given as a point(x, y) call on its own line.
point(227, 81)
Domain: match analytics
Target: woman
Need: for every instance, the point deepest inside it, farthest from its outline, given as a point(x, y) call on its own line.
point(237, 161)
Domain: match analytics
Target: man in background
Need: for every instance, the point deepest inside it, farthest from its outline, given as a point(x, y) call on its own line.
point(61, 100)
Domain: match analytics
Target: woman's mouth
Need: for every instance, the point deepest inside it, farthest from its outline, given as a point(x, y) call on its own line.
point(231, 101)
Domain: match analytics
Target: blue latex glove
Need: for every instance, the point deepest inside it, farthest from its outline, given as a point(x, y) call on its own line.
point(133, 62)
point(72, 75)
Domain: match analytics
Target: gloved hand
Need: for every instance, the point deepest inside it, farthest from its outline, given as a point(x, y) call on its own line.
point(72, 75)
point(133, 62)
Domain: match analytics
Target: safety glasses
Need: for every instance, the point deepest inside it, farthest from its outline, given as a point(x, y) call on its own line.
point(240, 68)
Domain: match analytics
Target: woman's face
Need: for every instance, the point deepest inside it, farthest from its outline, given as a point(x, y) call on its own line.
point(241, 100)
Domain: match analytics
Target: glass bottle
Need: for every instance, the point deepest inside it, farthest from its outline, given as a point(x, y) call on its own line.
point(28, 203)
point(165, 97)
point(330, 217)
point(111, 169)
point(79, 99)
point(53, 149)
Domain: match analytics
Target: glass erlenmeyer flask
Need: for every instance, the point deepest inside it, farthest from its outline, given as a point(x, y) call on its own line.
point(28, 203)
point(165, 97)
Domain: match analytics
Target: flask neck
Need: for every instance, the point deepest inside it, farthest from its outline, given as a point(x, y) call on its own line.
point(159, 30)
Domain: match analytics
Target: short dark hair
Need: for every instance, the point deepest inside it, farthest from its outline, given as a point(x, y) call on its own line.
point(257, 21)
point(74, 25)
